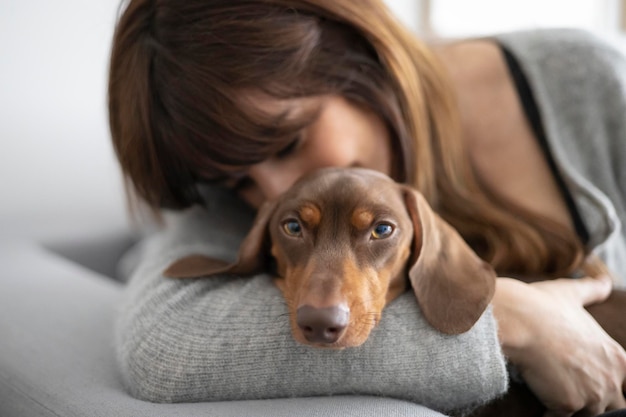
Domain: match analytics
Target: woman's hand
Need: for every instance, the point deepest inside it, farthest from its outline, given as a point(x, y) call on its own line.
point(563, 354)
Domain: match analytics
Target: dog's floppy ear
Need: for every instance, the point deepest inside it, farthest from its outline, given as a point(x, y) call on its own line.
point(250, 260)
point(452, 284)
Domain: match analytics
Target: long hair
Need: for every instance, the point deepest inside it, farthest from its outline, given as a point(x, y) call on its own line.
point(180, 68)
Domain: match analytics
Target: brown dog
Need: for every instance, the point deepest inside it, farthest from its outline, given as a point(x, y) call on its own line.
point(344, 242)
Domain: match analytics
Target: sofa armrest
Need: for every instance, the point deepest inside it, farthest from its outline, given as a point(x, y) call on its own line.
point(57, 356)
point(99, 252)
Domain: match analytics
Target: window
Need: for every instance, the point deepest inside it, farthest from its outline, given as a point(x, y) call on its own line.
point(458, 18)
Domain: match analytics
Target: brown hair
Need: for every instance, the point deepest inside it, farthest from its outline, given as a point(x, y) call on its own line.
point(178, 69)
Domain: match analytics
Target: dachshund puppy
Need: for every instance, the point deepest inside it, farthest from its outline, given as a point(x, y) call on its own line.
point(343, 243)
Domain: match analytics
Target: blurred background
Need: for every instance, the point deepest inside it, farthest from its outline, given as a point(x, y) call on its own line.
point(58, 174)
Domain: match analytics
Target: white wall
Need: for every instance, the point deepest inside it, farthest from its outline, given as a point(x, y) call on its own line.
point(56, 162)
point(455, 19)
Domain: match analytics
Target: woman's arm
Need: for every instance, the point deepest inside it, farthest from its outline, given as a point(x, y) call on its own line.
point(228, 338)
point(562, 353)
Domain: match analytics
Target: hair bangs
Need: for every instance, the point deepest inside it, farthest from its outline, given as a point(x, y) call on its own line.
point(231, 135)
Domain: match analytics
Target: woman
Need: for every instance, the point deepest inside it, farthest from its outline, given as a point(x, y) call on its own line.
point(250, 95)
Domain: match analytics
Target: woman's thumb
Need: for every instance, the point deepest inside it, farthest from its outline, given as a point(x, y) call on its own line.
point(591, 290)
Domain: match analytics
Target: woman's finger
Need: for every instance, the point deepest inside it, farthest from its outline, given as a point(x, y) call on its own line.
point(594, 289)
point(586, 291)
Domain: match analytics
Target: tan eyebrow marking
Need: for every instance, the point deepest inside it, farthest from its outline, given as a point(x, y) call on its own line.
point(310, 214)
point(362, 218)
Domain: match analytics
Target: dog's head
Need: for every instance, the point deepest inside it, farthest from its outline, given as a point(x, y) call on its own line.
point(345, 242)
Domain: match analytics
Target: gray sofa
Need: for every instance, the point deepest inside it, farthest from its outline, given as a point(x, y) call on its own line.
point(63, 229)
point(58, 303)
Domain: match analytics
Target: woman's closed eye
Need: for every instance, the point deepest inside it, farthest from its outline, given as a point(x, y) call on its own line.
point(290, 148)
point(242, 183)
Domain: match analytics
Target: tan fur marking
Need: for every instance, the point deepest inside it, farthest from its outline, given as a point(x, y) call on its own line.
point(310, 215)
point(278, 255)
point(362, 219)
point(397, 274)
point(365, 293)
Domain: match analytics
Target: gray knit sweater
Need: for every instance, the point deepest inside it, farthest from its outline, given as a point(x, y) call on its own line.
point(228, 338)
point(579, 83)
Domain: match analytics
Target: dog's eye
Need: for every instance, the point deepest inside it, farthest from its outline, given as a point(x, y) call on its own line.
point(382, 230)
point(292, 228)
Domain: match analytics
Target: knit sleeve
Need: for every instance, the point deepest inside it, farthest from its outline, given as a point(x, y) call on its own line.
point(228, 338)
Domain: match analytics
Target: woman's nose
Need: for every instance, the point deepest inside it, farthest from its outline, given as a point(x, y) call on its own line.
point(273, 178)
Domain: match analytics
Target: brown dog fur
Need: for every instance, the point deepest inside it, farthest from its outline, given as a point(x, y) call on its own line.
point(336, 262)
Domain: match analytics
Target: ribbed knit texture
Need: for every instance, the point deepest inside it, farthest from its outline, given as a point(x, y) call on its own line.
point(228, 338)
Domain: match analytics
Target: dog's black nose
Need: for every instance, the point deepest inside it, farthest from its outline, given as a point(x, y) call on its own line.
point(323, 325)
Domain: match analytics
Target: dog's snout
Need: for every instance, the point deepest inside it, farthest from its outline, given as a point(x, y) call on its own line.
point(323, 325)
